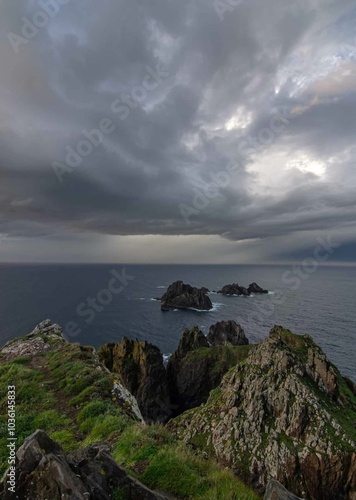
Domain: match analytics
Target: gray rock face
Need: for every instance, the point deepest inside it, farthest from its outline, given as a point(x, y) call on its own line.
point(284, 412)
point(140, 369)
point(43, 472)
point(226, 331)
point(182, 296)
point(45, 335)
point(276, 491)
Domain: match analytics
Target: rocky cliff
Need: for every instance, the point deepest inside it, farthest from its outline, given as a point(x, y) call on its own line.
point(193, 370)
point(80, 433)
point(284, 412)
point(139, 367)
point(196, 367)
point(281, 417)
point(226, 332)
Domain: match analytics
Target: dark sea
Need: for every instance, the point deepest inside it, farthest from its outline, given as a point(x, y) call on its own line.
point(320, 303)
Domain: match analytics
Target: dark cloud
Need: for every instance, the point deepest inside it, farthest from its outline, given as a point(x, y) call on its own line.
point(270, 89)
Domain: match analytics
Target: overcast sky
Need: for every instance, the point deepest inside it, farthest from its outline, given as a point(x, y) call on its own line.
point(227, 130)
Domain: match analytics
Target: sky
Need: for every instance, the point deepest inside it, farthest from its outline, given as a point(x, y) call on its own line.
point(165, 131)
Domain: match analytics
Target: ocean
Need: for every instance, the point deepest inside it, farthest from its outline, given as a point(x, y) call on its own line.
point(320, 302)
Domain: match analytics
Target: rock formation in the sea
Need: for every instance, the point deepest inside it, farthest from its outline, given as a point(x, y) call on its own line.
point(139, 367)
point(254, 288)
point(284, 413)
point(196, 368)
point(234, 289)
point(43, 470)
point(226, 331)
point(182, 296)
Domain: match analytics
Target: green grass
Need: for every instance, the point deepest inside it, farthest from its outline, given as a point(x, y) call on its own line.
point(33, 398)
point(66, 439)
point(159, 461)
point(63, 392)
point(105, 428)
point(51, 420)
point(58, 382)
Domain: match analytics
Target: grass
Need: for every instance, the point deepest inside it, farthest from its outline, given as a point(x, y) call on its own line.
point(52, 390)
point(63, 392)
point(159, 461)
point(66, 439)
point(51, 420)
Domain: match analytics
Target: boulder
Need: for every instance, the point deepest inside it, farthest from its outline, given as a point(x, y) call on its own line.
point(182, 296)
point(285, 412)
point(254, 288)
point(140, 368)
point(226, 331)
point(43, 471)
point(234, 289)
point(276, 491)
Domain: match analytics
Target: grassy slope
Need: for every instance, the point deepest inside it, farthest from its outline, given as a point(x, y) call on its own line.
point(63, 392)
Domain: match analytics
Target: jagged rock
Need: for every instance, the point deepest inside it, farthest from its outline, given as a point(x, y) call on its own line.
point(45, 335)
point(182, 296)
point(140, 369)
point(43, 472)
point(321, 371)
point(254, 288)
point(191, 339)
point(196, 368)
point(285, 412)
point(234, 289)
point(276, 491)
point(226, 331)
point(126, 400)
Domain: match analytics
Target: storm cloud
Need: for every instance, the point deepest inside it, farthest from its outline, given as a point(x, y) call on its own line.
point(166, 131)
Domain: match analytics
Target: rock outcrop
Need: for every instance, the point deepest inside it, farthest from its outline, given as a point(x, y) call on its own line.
point(182, 296)
point(226, 331)
point(284, 413)
point(234, 289)
point(276, 491)
point(254, 288)
point(43, 471)
point(45, 335)
point(139, 367)
point(196, 368)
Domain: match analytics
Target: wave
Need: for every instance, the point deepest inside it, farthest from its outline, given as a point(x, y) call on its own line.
point(166, 358)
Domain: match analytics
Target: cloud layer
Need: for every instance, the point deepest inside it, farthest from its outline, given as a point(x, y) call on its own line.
point(232, 126)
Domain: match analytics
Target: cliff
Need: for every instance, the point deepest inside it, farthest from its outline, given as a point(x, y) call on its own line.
point(80, 432)
point(285, 412)
point(266, 417)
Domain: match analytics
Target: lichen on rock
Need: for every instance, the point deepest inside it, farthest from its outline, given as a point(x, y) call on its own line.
point(284, 413)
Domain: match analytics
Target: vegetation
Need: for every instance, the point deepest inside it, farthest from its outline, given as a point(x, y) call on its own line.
point(63, 392)
point(153, 456)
